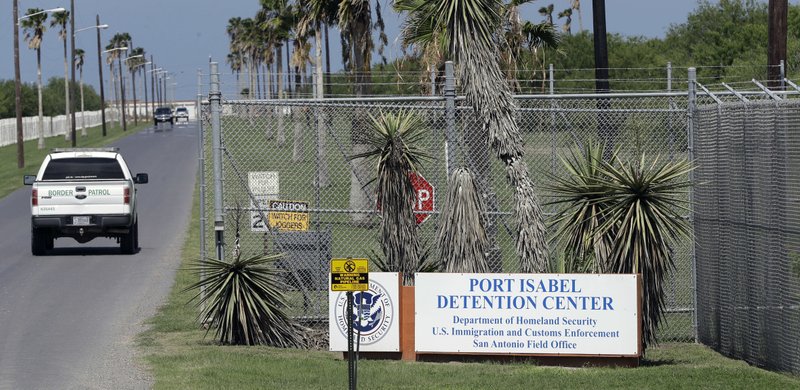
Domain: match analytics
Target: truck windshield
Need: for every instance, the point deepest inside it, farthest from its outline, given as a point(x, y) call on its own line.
point(83, 169)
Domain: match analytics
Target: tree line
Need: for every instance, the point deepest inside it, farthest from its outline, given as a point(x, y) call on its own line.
point(271, 52)
point(52, 98)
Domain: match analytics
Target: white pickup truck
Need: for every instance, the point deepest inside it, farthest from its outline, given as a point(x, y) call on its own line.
point(84, 194)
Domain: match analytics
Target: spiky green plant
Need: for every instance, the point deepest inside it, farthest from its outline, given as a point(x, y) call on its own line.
point(631, 212)
point(243, 302)
point(393, 148)
point(462, 241)
point(581, 193)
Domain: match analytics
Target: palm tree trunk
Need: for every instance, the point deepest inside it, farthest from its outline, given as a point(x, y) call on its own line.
point(360, 172)
point(490, 96)
point(41, 114)
point(66, 92)
point(83, 113)
point(279, 130)
point(328, 86)
point(268, 79)
point(322, 163)
point(135, 103)
point(288, 70)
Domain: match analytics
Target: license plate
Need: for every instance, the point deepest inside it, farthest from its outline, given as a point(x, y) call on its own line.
point(81, 221)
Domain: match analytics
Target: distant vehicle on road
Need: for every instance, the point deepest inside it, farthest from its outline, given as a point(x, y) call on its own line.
point(163, 115)
point(181, 113)
point(84, 194)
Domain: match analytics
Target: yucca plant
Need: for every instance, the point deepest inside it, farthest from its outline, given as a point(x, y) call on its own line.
point(581, 194)
point(243, 300)
point(626, 215)
point(394, 149)
point(462, 241)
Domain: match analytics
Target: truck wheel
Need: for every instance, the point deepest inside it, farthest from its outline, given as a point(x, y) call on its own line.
point(129, 242)
point(38, 244)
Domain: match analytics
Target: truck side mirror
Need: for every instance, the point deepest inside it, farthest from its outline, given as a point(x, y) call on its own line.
point(141, 178)
point(28, 179)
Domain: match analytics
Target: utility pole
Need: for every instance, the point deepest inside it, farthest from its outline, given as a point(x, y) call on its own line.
point(18, 90)
point(72, 77)
point(100, 68)
point(776, 42)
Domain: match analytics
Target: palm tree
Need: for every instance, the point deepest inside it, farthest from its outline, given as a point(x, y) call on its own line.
point(317, 13)
point(567, 14)
point(547, 12)
point(537, 37)
point(60, 19)
point(236, 58)
point(576, 5)
point(34, 33)
point(110, 58)
point(79, 54)
point(134, 66)
point(355, 23)
point(119, 40)
point(468, 30)
point(394, 147)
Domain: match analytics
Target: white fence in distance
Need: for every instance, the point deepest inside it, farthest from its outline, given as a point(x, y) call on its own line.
point(52, 125)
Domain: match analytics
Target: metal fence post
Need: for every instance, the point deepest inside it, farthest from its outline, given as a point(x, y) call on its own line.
point(669, 116)
point(214, 99)
point(783, 75)
point(692, 100)
point(552, 123)
point(201, 164)
point(450, 115)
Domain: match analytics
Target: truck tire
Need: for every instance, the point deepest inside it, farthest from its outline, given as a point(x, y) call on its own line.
point(38, 242)
point(129, 243)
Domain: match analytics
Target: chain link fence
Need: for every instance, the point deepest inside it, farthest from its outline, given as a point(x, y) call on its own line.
point(299, 151)
point(747, 228)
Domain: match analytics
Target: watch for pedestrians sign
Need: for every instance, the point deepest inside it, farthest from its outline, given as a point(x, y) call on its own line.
point(349, 274)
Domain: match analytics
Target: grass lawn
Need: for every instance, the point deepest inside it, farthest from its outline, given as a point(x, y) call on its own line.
point(11, 176)
point(181, 358)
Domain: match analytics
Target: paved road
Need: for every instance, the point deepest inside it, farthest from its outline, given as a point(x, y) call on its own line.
point(68, 320)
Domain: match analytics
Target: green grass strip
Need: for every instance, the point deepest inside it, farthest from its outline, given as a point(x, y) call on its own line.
point(180, 358)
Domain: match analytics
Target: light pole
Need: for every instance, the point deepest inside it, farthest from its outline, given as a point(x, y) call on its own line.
point(72, 78)
point(18, 82)
point(160, 81)
point(99, 27)
point(153, 70)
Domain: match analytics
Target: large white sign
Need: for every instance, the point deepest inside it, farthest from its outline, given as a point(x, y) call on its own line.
point(376, 315)
point(550, 314)
point(264, 186)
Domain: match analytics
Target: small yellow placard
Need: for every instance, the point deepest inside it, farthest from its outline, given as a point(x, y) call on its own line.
point(288, 215)
point(349, 274)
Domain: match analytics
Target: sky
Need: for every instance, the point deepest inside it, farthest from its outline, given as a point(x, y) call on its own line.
point(183, 34)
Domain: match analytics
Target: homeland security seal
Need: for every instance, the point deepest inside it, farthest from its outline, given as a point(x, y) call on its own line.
point(372, 313)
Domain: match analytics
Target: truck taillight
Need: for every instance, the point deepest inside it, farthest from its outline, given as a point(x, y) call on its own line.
point(127, 195)
point(35, 197)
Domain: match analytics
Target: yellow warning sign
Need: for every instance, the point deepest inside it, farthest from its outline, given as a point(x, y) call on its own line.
point(349, 274)
point(286, 215)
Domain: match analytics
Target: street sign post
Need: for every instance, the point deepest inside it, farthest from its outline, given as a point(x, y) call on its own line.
point(350, 275)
